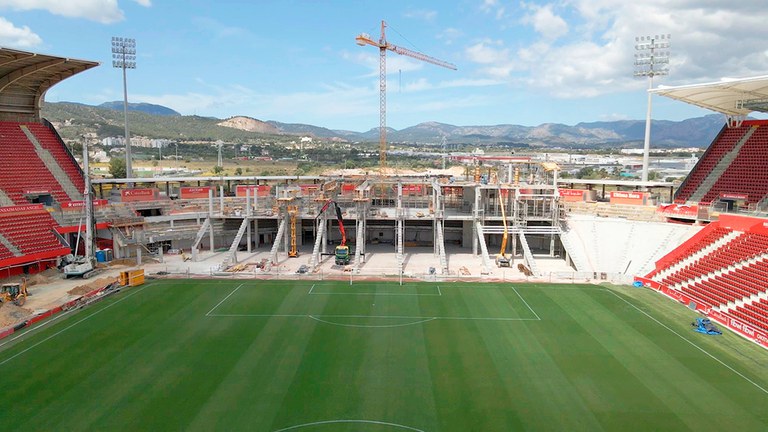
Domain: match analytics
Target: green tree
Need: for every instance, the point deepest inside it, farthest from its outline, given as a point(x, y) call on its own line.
point(238, 171)
point(117, 167)
point(218, 169)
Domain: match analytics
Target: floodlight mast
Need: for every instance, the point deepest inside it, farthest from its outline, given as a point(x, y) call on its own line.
point(650, 63)
point(124, 57)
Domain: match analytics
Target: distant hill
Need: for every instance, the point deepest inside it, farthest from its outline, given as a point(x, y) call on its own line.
point(74, 119)
point(141, 107)
point(249, 125)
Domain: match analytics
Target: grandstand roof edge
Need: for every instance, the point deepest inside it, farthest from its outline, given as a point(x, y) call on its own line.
point(729, 96)
point(25, 77)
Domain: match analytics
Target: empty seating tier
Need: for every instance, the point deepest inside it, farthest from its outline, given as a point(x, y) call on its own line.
point(23, 173)
point(30, 229)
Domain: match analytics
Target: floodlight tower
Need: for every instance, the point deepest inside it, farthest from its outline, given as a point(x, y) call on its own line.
point(124, 57)
point(650, 63)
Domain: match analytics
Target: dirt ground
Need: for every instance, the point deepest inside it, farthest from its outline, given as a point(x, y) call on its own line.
point(11, 314)
point(90, 286)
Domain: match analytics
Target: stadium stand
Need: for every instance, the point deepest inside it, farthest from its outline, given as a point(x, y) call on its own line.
point(733, 165)
point(724, 267)
point(36, 169)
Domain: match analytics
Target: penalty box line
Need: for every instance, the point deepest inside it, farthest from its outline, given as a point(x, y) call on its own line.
point(312, 292)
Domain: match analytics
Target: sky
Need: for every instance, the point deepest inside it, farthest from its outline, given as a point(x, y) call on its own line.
point(296, 61)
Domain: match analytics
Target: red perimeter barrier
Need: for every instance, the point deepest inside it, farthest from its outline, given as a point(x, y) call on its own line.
point(49, 313)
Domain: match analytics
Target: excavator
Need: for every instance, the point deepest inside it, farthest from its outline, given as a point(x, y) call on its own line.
point(501, 259)
point(15, 292)
point(341, 254)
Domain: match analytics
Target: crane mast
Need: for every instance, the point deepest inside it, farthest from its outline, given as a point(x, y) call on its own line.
point(382, 44)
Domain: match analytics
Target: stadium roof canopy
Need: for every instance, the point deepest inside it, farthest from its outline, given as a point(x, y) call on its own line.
point(735, 98)
point(26, 76)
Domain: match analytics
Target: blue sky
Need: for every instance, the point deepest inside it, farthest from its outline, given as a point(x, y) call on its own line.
point(296, 61)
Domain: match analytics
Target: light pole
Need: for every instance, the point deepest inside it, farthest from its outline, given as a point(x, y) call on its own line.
point(124, 57)
point(650, 63)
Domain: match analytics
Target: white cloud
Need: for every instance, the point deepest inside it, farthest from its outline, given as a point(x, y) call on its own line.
point(450, 35)
point(103, 11)
point(546, 23)
point(494, 7)
point(145, 3)
point(17, 37)
point(709, 40)
point(488, 52)
point(422, 14)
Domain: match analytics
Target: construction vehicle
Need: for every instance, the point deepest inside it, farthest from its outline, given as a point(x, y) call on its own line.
point(341, 254)
point(82, 267)
point(14, 292)
point(501, 259)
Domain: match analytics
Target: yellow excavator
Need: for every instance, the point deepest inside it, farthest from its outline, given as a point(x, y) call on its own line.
point(15, 292)
point(501, 259)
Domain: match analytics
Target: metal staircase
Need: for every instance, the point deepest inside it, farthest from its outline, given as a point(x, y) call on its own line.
point(441, 247)
point(278, 240)
point(314, 260)
point(359, 240)
point(199, 237)
point(232, 256)
point(483, 248)
point(528, 256)
point(576, 258)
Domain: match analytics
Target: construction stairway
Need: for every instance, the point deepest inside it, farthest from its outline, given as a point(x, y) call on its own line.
point(232, 255)
point(199, 237)
point(314, 260)
point(278, 241)
point(483, 248)
point(528, 255)
point(441, 247)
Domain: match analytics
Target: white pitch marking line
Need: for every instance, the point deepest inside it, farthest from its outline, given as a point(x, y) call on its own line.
point(369, 316)
point(72, 325)
point(526, 303)
point(38, 327)
point(222, 301)
point(311, 288)
point(380, 294)
point(691, 343)
point(438, 291)
point(349, 421)
point(372, 326)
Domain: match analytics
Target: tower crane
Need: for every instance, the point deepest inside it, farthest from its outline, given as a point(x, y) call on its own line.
point(382, 44)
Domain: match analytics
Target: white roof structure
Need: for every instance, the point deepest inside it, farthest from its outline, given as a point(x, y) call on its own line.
point(734, 97)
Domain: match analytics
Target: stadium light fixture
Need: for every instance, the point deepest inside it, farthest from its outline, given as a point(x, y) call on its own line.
point(650, 62)
point(124, 57)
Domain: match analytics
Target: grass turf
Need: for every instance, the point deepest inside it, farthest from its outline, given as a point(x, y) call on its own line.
point(267, 356)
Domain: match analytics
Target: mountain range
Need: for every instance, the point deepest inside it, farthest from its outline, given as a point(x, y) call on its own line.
point(157, 121)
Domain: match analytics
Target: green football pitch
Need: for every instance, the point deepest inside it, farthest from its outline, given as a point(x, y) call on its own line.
point(203, 355)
